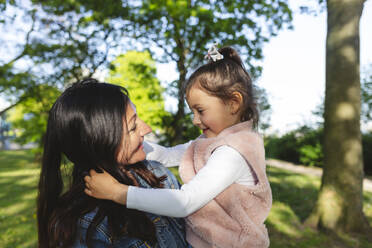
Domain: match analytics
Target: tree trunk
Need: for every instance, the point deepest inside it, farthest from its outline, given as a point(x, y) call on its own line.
point(340, 201)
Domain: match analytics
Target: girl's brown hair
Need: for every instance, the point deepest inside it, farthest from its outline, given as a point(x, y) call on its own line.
point(224, 77)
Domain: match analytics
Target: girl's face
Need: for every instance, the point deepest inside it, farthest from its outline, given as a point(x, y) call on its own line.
point(131, 150)
point(211, 114)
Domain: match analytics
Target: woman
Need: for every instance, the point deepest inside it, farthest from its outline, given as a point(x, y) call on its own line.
point(94, 125)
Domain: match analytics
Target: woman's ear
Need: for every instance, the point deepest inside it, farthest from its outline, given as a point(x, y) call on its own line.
point(235, 102)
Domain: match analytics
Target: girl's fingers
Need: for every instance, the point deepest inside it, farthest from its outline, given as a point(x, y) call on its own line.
point(87, 178)
point(88, 192)
point(92, 172)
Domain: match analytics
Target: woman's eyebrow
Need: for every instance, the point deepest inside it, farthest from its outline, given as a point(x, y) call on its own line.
point(133, 118)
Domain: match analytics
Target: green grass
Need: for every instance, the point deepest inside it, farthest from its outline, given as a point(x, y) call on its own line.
point(18, 182)
point(294, 196)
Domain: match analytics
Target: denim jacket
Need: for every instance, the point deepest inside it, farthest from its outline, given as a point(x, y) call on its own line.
point(170, 232)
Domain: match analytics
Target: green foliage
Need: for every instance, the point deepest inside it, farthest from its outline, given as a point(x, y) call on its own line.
point(283, 148)
point(367, 153)
point(136, 71)
point(303, 145)
point(311, 155)
point(366, 93)
point(310, 143)
point(190, 131)
point(29, 118)
point(190, 25)
point(64, 41)
point(52, 49)
point(183, 30)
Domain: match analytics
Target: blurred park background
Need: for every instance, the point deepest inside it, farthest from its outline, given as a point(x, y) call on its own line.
point(304, 56)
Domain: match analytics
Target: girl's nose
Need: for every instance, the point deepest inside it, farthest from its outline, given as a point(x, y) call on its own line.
point(196, 120)
point(145, 129)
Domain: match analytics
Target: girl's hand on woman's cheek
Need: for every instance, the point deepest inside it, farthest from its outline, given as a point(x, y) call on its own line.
point(104, 186)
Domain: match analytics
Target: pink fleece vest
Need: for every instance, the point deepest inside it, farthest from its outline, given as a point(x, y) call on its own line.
point(235, 218)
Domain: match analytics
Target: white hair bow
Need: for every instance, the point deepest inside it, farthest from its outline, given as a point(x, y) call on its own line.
point(213, 53)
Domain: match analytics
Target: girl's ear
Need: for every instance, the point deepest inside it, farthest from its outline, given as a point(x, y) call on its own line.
point(235, 102)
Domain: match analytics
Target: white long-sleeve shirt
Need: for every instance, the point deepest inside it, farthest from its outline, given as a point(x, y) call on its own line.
point(167, 156)
point(224, 167)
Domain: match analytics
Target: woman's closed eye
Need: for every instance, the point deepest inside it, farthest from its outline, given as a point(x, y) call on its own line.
point(133, 128)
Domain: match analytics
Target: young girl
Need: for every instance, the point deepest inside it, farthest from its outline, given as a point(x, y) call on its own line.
point(226, 196)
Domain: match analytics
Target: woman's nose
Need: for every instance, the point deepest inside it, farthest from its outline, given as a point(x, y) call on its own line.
point(145, 129)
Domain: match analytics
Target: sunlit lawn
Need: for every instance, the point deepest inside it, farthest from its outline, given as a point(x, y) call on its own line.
point(18, 184)
point(294, 196)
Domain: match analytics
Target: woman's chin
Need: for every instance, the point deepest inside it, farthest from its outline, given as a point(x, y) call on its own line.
point(138, 157)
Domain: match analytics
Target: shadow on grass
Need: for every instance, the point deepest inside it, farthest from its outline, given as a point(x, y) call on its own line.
point(17, 159)
point(294, 196)
point(16, 189)
point(297, 191)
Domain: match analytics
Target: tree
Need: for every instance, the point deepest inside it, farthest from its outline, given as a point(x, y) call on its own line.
point(15, 85)
point(69, 40)
point(184, 29)
point(339, 207)
point(136, 72)
point(29, 118)
point(52, 49)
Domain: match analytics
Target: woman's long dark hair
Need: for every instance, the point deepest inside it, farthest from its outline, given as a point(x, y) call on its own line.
point(86, 125)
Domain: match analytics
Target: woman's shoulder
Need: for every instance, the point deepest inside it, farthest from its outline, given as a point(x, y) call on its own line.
point(155, 167)
point(160, 170)
point(101, 236)
point(101, 231)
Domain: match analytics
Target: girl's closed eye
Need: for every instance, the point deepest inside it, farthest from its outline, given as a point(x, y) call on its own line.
point(200, 111)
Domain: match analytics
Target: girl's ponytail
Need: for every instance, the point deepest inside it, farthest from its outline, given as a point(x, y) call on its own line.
point(231, 53)
point(50, 184)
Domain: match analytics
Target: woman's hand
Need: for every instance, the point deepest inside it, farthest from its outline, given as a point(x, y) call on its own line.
point(104, 186)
